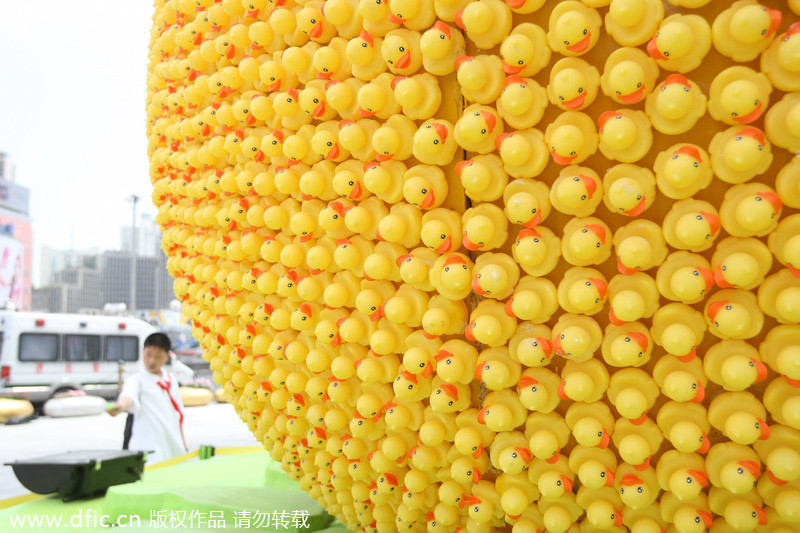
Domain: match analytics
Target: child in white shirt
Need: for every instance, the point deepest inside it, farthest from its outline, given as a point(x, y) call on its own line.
point(153, 397)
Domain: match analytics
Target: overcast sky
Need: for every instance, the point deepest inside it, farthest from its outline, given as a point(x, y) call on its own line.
point(72, 97)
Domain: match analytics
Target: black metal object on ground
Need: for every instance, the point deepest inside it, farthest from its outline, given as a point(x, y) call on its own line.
point(79, 473)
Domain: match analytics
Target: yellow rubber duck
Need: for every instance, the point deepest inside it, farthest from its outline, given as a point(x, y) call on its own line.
point(525, 52)
point(342, 96)
point(582, 291)
point(489, 324)
point(477, 129)
point(495, 369)
point(629, 75)
point(456, 368)
point(691, 225)
point(627, 345)
point(633, 393)
point(440, 46)
point(413, 14)
point(448, 398)
point(414, 270)
point(681, 474)
point(537, 388)
point(531, 345)
point(636, 443)
point(425, 186)
point(692, 515)
point(741, 512)
point(393, 139)
point(685, 425)
point(734, 467)
point(733, 314)
point(553, 481)
point(376, 17)
point(485, 227)
point(495, 275)
point(738, 95)
point(480, 78)
point(738, 154)
point(780, 352)
point(440, 230)
point(419, 95)
point(734, 364)
point(510, 453)
point(586, 241)
point(595, 467)
point(676, 105)
point(637, 489)
point(522, 103)
point(779, 61)
point(483, 177)
point(376, 98)
point(591, 423)
point(780, 399)
point(363, 53)
point(573, 84)
point(776, 296)
point(547, 434)
point(779, 453)
point(344, 15)
point(781, 122)
point(524, 152)
point(603, 509)
point(330, 62)
point(681, 381)
point(571, 138)
point(682, 170)
point(312, 23)
point(486, 22)
point(584, 381)
point(681, 43)
point(632, 23)
point(401, 226)
point(451, 276)
point(744, 30)
point(625, 135)
point(526, 202)
point(356, 138)
point(502, 411)
point(573, 28)
point(325, 142)
point(787, 183)
point(739, 416)
point(639, 246)
point(400, 51)
point(576, 337)
point(287, 108)
point(536, 250)
point(576, 191)
point(679, 329)
point(559, 515)
point(740, 263)
point(533, 300)
point(434, 142)
point(783, 242)
point(628, 189)
point(632, 298)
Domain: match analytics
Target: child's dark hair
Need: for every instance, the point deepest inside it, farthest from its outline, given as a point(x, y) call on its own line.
point(159, 340)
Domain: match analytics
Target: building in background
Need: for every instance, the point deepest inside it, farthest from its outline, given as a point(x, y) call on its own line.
point(148, 237)
point(105, 278)
point(16, 239)
point(54, 261)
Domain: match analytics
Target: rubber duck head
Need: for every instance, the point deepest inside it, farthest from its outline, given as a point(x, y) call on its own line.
point(478, 230)
point(673, 40)
point(491, 278)
point(577, 386)
point(633, 253)
point(574, 32)
point(497, 417)
point(628, 196)
point(545, 446)
point(553, 484)
point(419, 191)
point(574, 341)
point(755, 212)
point(687, 484)
point(589, 432)
point(533, 394)
point(692, 520)
point(739, 477)
point(632, 404)
point(514, 459)
point(683, 386)
point(523, 208)
point(431, 139)
point(687, 437)
point(753, 23)
point(603, 515)
point(456, 273)
point(634, 491)
point(635, 450)
point(435, 234)
point(695, 228)
point(517, 52)
point(485, 328)
point(739, 371)
point(571, 87)
point(437, 42)
point(574, 192)
point(730, 318)
point(594, 474)
point(588, 241)
point(690, 282)
point(745, 428)
point(479, 125)
point(566, 142)
point(743, 101)
point(745, 149)
point(399, 54)
point(371, 99)
point(586, 293)
point(627, 81)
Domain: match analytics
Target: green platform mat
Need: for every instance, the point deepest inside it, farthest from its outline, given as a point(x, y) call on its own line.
point(246, 491)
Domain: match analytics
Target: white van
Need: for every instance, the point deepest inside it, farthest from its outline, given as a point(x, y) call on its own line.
point(45, 353)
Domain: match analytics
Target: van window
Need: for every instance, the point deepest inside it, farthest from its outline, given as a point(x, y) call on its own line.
point(125, 347)
point(81, 347)
point(38, 347)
